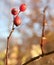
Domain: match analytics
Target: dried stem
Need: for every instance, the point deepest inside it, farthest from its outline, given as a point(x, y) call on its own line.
point(7, 49)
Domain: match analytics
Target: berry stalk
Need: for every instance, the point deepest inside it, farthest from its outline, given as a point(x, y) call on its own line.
point(16, 22)
point(7, 49)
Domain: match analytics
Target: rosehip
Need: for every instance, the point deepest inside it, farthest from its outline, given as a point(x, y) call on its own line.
point(17, 20)
point(22, 7)
point(14, 11)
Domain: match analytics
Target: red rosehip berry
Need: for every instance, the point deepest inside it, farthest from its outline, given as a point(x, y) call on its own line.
point(22, 7)
point(14, 11)
point(17, 20)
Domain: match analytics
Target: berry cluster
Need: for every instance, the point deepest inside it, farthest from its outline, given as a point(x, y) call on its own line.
point(15, 12)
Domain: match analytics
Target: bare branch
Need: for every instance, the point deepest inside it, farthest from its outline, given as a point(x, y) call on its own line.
point(35, 58)
point(43, 30)
point(42, 41)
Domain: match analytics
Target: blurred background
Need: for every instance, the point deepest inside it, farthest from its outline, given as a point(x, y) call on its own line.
point(25, 40)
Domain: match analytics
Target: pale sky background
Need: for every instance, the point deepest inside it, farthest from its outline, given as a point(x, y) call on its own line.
point(6, 19)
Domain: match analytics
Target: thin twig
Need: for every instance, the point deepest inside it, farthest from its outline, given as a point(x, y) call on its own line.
point(7, 49)
point(41, 44)
point(34, 58)
point(43, 29)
